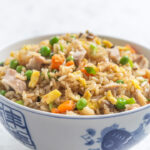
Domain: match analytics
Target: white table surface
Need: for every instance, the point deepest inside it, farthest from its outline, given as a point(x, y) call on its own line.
point(128, 19)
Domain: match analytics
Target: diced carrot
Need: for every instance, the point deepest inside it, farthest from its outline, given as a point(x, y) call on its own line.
point(67, 105)
point(133, 51)
point(57, 60)
point(85, 72)
point(55, 110)
point(70, 63)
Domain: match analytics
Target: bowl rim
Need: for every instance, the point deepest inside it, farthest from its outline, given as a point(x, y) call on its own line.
point(63, 116)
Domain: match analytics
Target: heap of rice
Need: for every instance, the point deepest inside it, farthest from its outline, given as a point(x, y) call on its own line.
point(82, 74)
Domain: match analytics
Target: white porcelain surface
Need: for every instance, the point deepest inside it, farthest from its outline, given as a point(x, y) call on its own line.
point(44, 130)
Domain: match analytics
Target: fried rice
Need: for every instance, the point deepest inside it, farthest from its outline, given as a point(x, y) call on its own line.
point(76, 74)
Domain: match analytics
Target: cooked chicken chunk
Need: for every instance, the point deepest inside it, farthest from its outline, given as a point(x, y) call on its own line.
point(12, 81)
point(36, 62)
point(141, 61)
point(114, 54)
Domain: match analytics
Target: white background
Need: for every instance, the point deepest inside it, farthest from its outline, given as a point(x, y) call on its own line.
point(128, 19)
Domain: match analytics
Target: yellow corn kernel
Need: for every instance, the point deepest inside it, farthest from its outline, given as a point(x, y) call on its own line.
point(107, 43)
point(51, 96)
point(123, 48)
point(111, 98)
point(93, 105)
point(45, 42)
point(87, 95)
point(12, 54)
point(97, 40)
point(34, 79)
point(7, 61)
point(82, 81)
point(84, 44)
point(26, 47)
point(84, 62)
point(95, 68)
point(136, 84)
point(122, 70)
point(115, 68)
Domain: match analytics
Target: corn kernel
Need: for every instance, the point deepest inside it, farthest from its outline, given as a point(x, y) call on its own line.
point(107, 44)
point(82, 81)
point(34, 79)
point(111, 98)
point(87, 95)
point(51, 96)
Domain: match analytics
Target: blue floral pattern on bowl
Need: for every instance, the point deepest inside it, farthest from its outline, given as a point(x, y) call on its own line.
point(115, 138)
point(15, 123)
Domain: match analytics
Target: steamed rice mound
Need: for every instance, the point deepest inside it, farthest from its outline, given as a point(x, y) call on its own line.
point(76, 74)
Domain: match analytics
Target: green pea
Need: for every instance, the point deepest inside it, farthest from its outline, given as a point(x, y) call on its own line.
point(124, 60)
point(90, 70)
point(121, 102)
point(69, 58)
point(72, 36)
point(51, 106)
point(131, 63)
point(19, 69)
point(61, 48)
point(120, 81)
point(13, 64)
point(54, 40)
point(1, 63)
point(2, 92)
point(49, 76)
point(21, 102)
point(28, 74)
point(82, 102)
point(92, 46)
point(45, 51)
point(130, 101)
point(93, 49)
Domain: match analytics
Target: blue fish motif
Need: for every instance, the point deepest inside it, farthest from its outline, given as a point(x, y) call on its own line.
point(115, 138)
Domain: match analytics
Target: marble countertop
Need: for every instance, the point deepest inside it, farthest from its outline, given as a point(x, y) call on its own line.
point(121, 18)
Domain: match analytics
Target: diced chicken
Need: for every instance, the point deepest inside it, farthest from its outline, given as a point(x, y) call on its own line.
point(114, 54)
point(78, 51)
point(141, 61)
point(10, 80)
point(78, 56)
point(71, 113)
point(101, 55)
point(141, 99)
point(36, 62)
point(87, 111)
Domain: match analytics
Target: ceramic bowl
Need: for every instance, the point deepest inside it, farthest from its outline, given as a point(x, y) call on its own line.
point(45, 131)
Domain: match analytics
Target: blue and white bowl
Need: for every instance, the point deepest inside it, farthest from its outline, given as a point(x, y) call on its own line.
point(45, 131)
